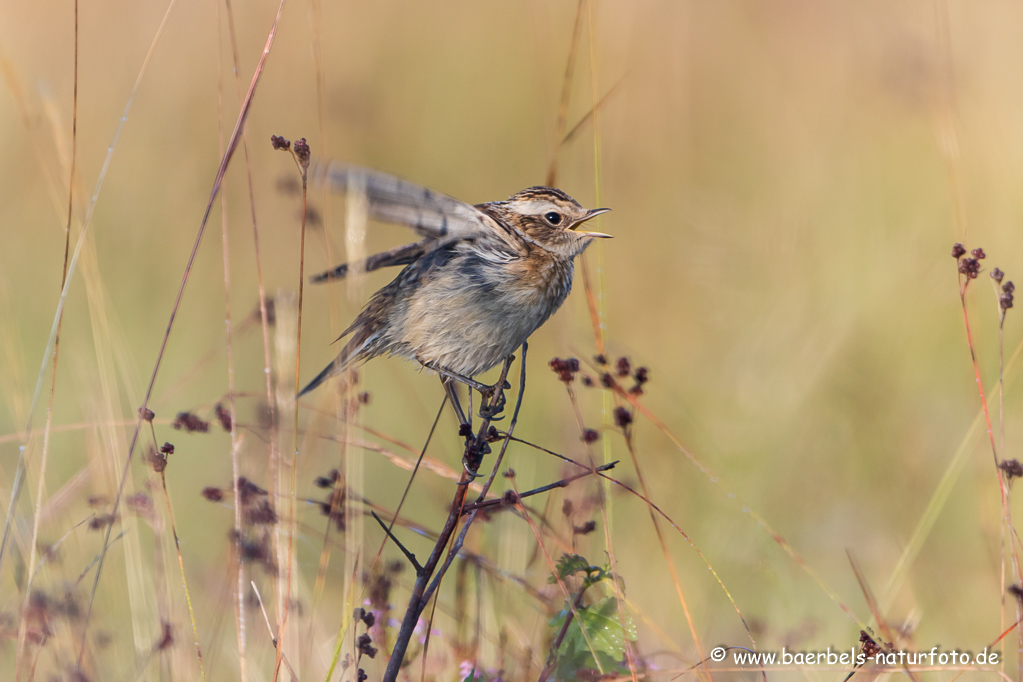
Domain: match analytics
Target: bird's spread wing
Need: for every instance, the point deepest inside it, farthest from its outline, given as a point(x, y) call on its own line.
point(432, 214)
point(402, 255)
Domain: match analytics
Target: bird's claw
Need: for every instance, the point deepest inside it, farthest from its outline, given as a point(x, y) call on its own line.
point(488, 412)
point(473, 475)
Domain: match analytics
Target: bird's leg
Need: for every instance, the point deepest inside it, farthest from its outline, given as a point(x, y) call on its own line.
point(465, 424)
point(486, 392)
point(449, 388)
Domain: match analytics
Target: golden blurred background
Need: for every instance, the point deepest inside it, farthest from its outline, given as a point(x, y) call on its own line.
point(787, 180)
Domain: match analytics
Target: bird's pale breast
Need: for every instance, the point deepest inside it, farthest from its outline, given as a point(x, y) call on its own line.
point(470, 313)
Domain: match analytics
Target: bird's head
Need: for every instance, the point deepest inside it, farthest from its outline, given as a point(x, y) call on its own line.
point(551, 219)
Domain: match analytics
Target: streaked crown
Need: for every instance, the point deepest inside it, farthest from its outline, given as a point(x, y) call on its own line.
point(550, 218)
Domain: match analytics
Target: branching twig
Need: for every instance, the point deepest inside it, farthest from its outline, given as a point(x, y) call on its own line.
point(563, 483)
point(457, 546)
point(418, 602)
point(404, 550)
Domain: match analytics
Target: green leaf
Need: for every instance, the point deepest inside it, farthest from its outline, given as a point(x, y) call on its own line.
point(605, 633)
point(569, 564)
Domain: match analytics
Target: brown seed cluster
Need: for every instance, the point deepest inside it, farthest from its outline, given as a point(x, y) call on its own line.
point(868, 646)
point(101, 521)
point(261, 514)
point(140, 503)
point(968, 267)
point(41, 614)
point(255, 550)
point(1005, 300)
point(257, 512)
point(300, 149)
point(223, 416)
point(327, 481)
point(158, 459)
point(366, 617)
point(166, 636)
point(302, 152)
point(585, 529)
point(365, 644)
point(190, 423)
point(333, 506)
point(565, 369)
point(213, 494)
point(248, 491)
point(1012, 468)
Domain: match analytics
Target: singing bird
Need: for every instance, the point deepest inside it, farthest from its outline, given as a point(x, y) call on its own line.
point(482, 279)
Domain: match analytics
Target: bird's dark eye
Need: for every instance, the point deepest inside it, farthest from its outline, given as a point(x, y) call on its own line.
point(553, 217)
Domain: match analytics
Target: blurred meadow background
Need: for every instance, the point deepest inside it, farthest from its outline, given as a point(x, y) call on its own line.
point(787, 180)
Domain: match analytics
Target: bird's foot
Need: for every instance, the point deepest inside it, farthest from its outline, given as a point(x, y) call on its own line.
point(486, 391)
point(471, 474)
point(488, 411)
point(473, 457)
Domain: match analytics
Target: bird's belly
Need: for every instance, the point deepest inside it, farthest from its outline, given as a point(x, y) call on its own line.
point(470, 327)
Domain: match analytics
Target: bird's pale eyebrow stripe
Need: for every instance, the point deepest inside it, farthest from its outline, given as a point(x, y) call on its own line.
point(537, 207)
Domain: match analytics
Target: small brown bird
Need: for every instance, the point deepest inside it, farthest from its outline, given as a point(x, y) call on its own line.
point(482, 279)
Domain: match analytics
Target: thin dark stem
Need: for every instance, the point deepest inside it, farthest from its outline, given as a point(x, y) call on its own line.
point(566, 92)
point(416, 602)
point(412, 477)
point(564, 631)
point(590, 114)
point(426, 641)
point(563, 483)
point(404, 550)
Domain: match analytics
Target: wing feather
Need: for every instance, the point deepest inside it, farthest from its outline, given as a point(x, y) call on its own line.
point(433, 215)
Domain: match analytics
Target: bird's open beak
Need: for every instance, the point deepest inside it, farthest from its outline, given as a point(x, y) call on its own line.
point(592, 214)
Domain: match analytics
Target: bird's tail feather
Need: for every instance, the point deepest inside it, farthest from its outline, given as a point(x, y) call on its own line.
point(354, 351)
point(327, 372)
